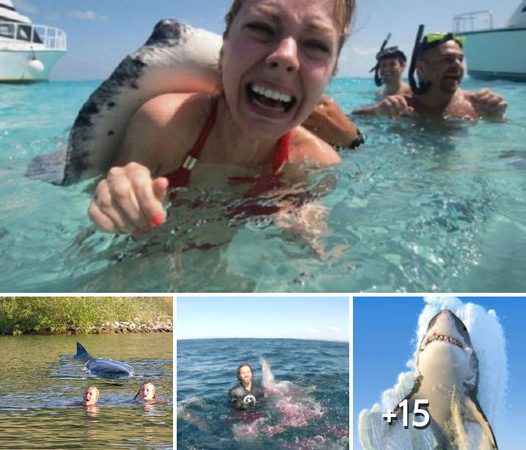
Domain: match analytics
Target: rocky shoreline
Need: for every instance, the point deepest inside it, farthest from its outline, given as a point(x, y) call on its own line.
point(157, 326)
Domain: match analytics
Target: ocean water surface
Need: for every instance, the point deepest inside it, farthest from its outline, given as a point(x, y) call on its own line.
point(41, 380)
point(307, 400)
point(418, 208)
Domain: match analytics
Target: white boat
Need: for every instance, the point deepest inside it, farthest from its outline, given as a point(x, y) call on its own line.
point(27, 51)
point(494, 53)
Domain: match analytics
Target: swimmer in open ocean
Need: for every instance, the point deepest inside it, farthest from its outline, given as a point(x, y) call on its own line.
point(438, 60)
point(276, 60)
point(247, 394)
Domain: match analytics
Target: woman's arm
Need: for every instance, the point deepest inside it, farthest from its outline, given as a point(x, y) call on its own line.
point(130, 199)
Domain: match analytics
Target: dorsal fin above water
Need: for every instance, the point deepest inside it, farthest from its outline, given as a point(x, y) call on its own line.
point(82, 353)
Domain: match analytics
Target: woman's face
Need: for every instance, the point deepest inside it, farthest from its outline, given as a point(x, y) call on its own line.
point(147, 391)
point(91, 395)
point(277, 59)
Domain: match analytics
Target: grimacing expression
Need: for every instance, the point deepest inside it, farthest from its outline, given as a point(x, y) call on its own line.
point(443, 65)
point(245, 374)
point(277, 58)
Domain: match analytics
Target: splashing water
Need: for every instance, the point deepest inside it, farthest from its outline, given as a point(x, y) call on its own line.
point(293, 405)
point(488, 340)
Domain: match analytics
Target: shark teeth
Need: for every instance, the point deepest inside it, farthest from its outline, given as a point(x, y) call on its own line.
point(444, 338)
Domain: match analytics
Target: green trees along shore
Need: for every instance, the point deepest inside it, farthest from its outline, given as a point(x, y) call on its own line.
point(64, 315)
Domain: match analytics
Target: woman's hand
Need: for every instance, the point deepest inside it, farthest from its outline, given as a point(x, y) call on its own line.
point(128, 200)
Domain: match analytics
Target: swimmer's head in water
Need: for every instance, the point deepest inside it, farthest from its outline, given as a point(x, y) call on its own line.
point(388, 60)
point(147, 391)
point(90, 396)
point(438, 59)
point(343, 12)
point(244, 373)
point(276, 61)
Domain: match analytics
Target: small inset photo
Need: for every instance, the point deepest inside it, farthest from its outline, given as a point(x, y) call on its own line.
point(86, 372)
point(438, 373)
point(262, 372)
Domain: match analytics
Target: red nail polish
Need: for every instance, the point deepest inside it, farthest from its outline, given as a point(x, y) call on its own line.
point(157, 220)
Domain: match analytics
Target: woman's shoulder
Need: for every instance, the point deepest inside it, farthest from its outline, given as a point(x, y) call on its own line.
point(307, 148)
point(163, 109)
point(163, 128)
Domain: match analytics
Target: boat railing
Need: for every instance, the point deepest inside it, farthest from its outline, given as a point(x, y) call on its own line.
point(50, 38)
point(471, 21)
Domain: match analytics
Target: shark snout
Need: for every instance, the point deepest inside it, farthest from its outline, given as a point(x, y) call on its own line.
point(447, 328)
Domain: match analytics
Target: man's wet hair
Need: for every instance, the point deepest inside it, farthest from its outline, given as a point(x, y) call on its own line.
point(386, 53)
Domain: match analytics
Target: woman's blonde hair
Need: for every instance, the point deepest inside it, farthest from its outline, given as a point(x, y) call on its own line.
point(343, 11)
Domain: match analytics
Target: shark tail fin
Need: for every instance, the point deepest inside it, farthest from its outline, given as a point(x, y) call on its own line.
point(82, 353)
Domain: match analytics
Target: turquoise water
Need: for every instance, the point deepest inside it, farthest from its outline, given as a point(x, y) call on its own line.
point(308, 410)
point(417, 208)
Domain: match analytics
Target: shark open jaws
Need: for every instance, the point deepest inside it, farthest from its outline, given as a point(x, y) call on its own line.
point(448, 377)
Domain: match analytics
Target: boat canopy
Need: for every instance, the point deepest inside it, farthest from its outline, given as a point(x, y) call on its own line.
point(8, 13)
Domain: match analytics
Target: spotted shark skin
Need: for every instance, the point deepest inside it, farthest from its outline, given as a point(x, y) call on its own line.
point(448, 377)
point(175, 58)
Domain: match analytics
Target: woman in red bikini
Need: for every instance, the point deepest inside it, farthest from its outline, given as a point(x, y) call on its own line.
point(277, 58)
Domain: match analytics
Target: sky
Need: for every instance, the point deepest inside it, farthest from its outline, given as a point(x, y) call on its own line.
point(319, 318)
point(384, 340)
point(102, 32)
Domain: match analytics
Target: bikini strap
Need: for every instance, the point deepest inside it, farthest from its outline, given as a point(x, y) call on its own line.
point(181, 176)
point(281, 155)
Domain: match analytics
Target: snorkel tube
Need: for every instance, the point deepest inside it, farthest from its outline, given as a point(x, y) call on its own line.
point(417, 88)
point(377, 79)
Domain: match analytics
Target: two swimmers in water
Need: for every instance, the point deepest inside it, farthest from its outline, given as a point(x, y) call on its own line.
point(438, 61)
point(91, 395)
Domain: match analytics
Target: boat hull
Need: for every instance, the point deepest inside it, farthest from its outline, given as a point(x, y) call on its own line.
point(496, 54)
point(18, 66)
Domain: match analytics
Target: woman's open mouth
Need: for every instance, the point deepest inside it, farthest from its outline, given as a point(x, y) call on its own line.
point(270, 98)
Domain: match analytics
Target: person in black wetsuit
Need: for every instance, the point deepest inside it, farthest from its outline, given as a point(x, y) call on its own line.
point(247, 393)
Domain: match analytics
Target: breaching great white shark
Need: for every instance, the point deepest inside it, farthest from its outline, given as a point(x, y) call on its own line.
point(103, 368)
point(448, 377)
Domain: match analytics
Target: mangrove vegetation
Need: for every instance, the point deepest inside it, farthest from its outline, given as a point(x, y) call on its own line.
point(66, 315)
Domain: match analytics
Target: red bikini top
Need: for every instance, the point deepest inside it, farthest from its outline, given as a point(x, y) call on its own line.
point(180, 177)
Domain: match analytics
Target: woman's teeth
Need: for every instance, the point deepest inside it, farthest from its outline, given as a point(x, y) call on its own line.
point(270, 98)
